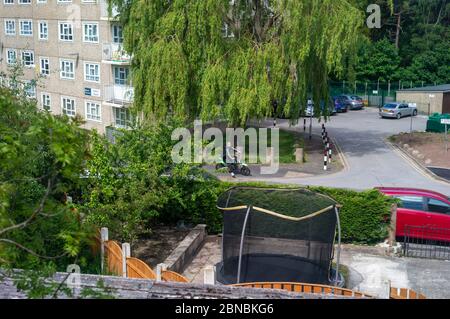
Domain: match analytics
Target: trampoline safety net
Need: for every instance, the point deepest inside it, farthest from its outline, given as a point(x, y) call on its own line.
point(276, 235)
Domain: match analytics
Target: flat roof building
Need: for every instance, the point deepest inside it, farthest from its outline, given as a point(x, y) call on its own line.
point(429, 99)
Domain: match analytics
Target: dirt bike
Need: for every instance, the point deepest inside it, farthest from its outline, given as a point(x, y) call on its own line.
point(237, 168)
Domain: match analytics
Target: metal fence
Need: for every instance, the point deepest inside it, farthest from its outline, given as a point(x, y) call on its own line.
point(375, 93)
point(426, 242)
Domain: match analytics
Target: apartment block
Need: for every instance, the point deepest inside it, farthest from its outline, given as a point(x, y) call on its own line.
point(76, 51)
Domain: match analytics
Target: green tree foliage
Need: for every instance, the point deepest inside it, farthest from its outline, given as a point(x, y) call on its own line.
point(133, 183)
point(41, 157)
point(377, 61)
point(235, 60)
point(413, 43)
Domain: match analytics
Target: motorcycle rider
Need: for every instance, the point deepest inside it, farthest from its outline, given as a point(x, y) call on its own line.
point(230, 158)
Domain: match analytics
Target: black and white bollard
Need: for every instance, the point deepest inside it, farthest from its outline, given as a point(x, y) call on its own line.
point(325, 137)
point(327, 148)
point(325, 160)
point(330, 152)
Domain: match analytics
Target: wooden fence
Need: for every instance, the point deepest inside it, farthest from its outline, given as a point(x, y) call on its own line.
point(168, 275)
point(306, 288)
point(136, 268)
point(405, 293)
point(113, 257)
point(117, 260)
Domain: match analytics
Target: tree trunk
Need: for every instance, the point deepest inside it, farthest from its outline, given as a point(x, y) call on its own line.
point(397, 33)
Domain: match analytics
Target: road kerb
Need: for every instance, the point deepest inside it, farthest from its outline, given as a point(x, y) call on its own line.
point(416, 164)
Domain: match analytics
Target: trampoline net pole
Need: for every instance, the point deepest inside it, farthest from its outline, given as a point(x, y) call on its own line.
point(238, 280)
point(338, 257)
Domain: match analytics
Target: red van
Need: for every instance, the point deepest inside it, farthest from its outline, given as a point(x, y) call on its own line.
point(423, 208)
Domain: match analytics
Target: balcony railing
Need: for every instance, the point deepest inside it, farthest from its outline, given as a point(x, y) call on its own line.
point(121, 95)
point(115, 54)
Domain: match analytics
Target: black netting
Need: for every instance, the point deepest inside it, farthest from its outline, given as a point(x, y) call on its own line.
point(276, 249)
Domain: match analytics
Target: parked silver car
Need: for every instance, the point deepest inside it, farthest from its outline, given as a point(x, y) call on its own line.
point(398, 110)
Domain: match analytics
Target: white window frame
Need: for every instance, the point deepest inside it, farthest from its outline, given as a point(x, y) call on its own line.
point(86, 36)
point(60, 34)
point(28, 21)
point(114, 37)
point(89, 115)
point(88, 75)
point(8, 31)
point(118, 110)
point(64, 110)
point(23, 2)
point(29, 84)
point(47, 95)
point(41, 59)
point(40, 24)
point(7, 51)
point(125, 80)
point(63, 72)
point(31, 54)
point(8, 2)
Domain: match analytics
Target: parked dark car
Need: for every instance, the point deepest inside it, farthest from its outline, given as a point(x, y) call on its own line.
point(353, 102)
point(339, 104)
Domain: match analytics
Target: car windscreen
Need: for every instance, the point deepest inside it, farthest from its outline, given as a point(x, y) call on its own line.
point(356, 98)
point(390, 106)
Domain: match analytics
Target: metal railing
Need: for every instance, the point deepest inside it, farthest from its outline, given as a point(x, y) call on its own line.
point(115, 53)
point(121, 95)
point(426, 242)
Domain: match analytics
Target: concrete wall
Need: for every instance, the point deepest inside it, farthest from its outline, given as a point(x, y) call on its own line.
point(423, 100)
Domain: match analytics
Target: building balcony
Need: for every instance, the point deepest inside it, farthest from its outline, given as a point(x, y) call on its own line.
point(113, 53)
point(118, 95)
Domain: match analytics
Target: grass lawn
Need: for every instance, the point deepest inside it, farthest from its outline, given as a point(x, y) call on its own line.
point(288, 142)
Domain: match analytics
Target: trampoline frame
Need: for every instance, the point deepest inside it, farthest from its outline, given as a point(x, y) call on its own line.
point(249, 208)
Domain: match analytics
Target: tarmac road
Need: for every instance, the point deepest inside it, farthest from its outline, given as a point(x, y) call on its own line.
point(361, 136)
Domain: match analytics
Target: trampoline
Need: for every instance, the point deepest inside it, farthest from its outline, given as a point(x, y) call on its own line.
point(278, 235)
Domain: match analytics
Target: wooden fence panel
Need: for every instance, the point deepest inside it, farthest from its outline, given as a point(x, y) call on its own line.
point(136, 268)
point(113, 256)
point(405, 293)
point(167, 275)
point(306, 288)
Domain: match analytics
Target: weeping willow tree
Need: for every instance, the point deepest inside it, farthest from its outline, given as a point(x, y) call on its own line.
point(235, 60)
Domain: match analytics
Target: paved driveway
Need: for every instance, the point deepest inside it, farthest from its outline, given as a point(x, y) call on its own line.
point(371, 161)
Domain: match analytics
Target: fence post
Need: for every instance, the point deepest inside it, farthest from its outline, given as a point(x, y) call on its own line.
point(126, 253)
point(159, 269)
point(385, 290)
point(209, 275)
point(103, 239)
point(393, 225)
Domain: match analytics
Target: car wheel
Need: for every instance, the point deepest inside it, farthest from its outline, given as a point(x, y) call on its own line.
point(399, 116)
point(414, 112)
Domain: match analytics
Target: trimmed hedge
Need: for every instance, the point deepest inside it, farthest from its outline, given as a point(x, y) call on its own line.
point(364, 215)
